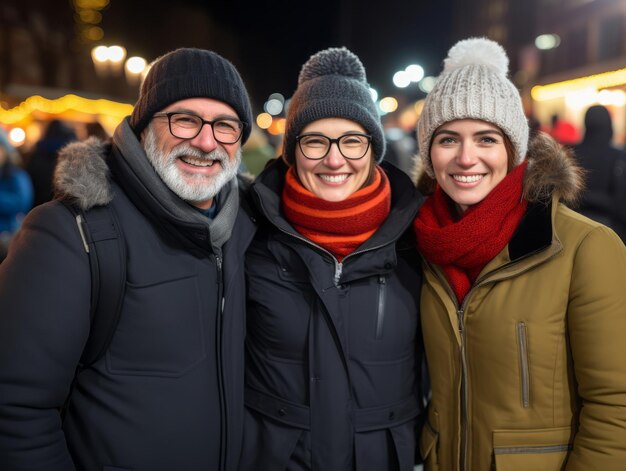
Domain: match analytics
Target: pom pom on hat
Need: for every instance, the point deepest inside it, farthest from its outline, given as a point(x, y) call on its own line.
point(333, 61)
point(474, 85)
point(477, 51)
point(333, 84)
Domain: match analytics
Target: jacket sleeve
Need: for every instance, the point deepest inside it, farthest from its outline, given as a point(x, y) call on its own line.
point(44, 321)
point(597, 328)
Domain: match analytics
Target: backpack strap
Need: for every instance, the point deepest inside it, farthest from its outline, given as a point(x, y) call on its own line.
point(104, 243)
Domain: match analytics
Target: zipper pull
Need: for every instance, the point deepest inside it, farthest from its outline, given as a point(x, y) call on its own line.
point(218, 265)
point(460, 314)
point(338, 270)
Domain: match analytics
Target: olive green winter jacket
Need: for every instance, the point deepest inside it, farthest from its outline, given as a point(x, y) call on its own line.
point(529, 373)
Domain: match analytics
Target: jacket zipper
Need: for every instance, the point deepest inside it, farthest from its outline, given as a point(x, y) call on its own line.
point(338, 271)
point(523, 359)
point(460, 311)
point(380, 318)
point(464, 399)
point(220, 367)
point(338, 265)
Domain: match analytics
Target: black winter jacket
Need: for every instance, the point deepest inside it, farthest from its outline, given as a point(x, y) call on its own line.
point(168, 394)
point(332, 349)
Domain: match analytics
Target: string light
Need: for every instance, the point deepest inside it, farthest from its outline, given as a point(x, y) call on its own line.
point(60, 105)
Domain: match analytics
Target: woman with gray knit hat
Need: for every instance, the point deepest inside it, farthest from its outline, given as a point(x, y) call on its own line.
point(523, 298)
point(332, 365)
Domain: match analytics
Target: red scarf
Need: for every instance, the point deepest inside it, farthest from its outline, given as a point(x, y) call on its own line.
point(462, 248)
point(338, 226)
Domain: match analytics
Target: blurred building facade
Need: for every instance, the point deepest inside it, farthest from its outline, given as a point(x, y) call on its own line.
point(47, 66)
point(585, 64)
point(46, 69)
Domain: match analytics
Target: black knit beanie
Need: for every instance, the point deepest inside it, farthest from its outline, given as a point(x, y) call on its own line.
point(191, 73)
point(332, 84)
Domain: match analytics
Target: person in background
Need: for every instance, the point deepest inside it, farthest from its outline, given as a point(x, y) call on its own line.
point(401, 145)
point(95, 129)
point(597, 155)
point(563, 131)
point(333, 341)
point(523, 299)
point(41, 163)
point(16, 193)
point(168, 393)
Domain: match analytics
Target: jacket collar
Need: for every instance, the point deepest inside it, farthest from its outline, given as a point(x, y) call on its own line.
point(534, 232)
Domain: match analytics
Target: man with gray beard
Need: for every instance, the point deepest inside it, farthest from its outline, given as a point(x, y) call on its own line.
point(168, 392)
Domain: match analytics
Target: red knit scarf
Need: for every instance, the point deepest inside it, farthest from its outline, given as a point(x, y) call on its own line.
point(462, 248)
point(338, 226)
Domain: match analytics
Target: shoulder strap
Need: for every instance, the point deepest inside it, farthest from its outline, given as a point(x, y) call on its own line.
point(102, 239)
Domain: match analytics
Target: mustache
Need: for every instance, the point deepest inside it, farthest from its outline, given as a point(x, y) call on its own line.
point(190, 151)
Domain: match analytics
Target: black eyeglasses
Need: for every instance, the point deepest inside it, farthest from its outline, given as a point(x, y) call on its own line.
point(351, 146)
point(188, 126)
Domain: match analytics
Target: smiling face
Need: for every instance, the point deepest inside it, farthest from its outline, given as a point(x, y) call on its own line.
point(469, 158)
point(195, 169)
point(334, 177)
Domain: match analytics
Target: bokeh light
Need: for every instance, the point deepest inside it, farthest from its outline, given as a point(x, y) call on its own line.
point(273, 106)
point(388, 104)
point(17, 136)
point(415, 72)
point(427, 84)
point(401, 79)
point(264, 120)
point(136, 65)
point(547, 41)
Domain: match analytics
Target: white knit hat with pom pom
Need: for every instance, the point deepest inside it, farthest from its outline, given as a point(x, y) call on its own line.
point(474, 84)
point(332, 84)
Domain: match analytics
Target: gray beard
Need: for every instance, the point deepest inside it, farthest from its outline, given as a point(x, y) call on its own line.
point(195, 189)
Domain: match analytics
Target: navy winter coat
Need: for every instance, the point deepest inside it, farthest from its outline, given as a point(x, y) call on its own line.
point(332, 349)
point(168, 394)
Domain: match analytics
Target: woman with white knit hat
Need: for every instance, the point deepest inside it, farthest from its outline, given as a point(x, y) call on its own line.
point(523, 299)
point(333, 347)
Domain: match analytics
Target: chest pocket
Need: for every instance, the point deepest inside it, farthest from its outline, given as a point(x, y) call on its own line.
point(160, 332)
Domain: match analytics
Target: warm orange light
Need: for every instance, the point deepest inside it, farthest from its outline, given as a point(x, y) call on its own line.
point(388, 104)
point(561, 89)
point(278, 127)
point(60, 105)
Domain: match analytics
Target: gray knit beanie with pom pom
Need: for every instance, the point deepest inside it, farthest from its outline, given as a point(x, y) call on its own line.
point(332, 84)
point(474, 85)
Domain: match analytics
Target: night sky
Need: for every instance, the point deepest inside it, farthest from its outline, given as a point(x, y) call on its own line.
point(269, 44)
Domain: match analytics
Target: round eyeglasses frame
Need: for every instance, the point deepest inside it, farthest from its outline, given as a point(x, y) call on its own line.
point(201, 123)
point(336, 141)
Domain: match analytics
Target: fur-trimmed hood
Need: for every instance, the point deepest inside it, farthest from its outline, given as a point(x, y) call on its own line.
point(82, 174)
point(552, 170)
